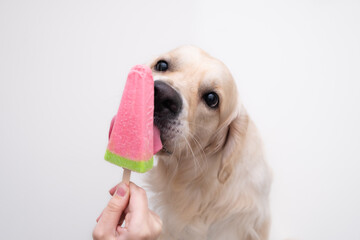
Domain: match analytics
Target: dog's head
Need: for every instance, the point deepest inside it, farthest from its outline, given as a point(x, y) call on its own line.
point(196, 108)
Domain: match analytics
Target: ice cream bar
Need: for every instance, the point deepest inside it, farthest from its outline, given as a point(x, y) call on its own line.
point(156, 142)
point(133, 138)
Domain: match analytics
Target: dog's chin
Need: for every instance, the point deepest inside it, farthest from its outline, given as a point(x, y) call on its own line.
point(171, 140)
point(164, 152)
point(168, 144)
point(170, 134)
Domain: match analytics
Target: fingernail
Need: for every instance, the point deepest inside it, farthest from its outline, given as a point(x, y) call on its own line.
point(98, 218)
point(113, 189)
point(121, 190)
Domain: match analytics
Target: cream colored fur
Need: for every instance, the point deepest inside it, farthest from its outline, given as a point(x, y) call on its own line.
point(213, 181)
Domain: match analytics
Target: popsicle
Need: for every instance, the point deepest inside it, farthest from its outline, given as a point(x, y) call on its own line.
point(133, 138)
point(156, 141)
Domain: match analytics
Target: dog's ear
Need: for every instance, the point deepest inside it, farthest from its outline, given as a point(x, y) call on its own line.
point(232, 145)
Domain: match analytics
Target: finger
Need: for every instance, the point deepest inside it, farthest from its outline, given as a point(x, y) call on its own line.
point(138, 203)
point(111, 215)
point(113, 189)
point(123, 233)
point(97, 220)
point(157, 219)
point(123, 215)
point(122, 218)
point(156, 223)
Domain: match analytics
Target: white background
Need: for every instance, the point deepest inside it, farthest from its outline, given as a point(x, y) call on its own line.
point(63, 65)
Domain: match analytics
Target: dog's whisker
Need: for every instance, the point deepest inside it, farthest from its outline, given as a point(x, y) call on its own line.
point(197, 142)
point(202, 152)
point(203, 166)
point(196, 162)
point(173, 173)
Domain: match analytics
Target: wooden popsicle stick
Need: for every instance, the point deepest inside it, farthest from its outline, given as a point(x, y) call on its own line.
point(126, 176)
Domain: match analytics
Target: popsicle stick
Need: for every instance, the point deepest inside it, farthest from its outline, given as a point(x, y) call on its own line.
point(126, 176)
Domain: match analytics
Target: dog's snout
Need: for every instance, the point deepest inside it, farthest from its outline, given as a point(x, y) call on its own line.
point(167, 100)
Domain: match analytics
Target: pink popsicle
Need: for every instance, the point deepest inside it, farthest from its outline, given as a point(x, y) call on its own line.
point(156, 142)
point(133, 139)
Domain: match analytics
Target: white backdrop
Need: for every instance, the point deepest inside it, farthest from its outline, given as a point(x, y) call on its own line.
point(63, 65)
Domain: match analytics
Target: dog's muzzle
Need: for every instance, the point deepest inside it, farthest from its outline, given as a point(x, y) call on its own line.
point(168, 105)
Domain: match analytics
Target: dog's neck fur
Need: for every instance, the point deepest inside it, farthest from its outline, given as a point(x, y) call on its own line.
point(184, 190)
point(191, 199)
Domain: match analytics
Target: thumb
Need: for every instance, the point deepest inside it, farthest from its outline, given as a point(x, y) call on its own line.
point(111, 215)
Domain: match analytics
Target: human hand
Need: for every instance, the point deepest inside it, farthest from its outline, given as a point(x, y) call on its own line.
point(128, 203)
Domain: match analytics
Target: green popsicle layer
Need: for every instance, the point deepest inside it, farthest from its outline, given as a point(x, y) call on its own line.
point(137, 166)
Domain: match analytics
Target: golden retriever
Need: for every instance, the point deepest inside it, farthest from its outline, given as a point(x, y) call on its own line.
point(211, 180)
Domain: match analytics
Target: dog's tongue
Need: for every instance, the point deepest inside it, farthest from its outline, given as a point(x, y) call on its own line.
point(157, 141)
point(157, 145)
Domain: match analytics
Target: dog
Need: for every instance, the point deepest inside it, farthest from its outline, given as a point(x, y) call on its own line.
point(211, 180)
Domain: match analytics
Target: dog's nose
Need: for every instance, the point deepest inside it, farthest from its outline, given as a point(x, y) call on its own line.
point(167, 100)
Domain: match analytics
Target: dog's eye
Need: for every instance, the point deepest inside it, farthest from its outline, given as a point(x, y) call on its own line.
point(211, 99)
point(161, 66)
